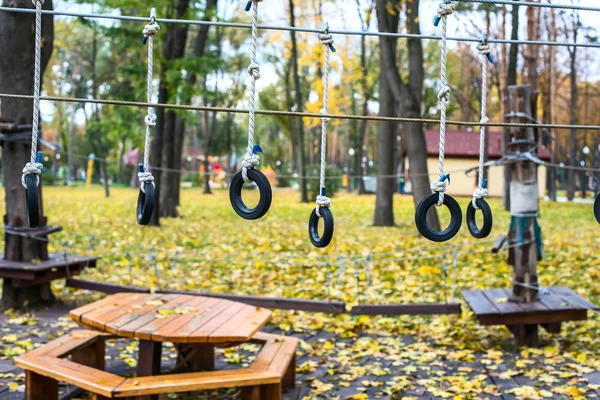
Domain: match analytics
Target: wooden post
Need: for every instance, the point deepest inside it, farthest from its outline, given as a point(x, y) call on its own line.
point(524, 207)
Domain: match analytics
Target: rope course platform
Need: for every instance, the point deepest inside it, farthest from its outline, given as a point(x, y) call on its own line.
point(560, 304)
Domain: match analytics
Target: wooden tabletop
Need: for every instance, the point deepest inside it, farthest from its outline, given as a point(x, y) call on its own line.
point(173, 318)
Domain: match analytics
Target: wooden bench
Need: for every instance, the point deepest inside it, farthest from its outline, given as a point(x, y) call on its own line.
point(272, 370)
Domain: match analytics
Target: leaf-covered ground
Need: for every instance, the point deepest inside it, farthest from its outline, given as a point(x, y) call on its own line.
point(211, 249)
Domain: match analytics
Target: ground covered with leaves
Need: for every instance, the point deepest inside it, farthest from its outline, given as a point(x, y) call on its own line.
point(211, 249)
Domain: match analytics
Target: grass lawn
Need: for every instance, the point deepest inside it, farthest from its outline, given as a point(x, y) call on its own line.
point(211, 249)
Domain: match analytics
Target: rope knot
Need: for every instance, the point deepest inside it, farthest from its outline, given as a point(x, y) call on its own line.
point(151, 29)
point(326, 38)
point(484, 120)
point(32, 169)
point(444, 94)
point(35, 2)
point(439, 187)
point(480, 193)
point(150, 120)
point(145, 177)
point(254, 71)
point(446, 9)
point(322, 201)
point(250, 161)
point(484, 49)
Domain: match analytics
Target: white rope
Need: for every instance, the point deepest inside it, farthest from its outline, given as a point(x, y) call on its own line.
point(150, 30)
point(252, 159)
point(484, 51)
point(445, 9)
point(326, 39)
point(34, 167)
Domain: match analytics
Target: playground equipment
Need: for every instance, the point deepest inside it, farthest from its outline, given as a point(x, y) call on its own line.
point(439, 187)
point(323, 202)
point(252, 159)
point(145, 203)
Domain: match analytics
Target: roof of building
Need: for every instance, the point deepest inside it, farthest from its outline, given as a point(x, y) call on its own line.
point(465, 144)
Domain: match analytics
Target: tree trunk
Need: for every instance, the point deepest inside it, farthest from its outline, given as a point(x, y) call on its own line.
point(165, 134)
point(407, 95)
point(190, 80)
point(386, 137)
point(573, 113)
point(299, 108)
point(17, 33)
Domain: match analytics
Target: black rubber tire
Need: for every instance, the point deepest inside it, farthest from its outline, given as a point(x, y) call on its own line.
point(145, 204)
point(597, 208)
point(33, 201)
point(235, 195)
point(488, 220)
point(313, 227)
point(426, 230)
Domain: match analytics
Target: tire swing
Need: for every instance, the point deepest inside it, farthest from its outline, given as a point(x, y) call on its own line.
point(478, 202)
point(323, 202)
point(439, 187)
point(33, 170)
point(252, 159)
point(145, 203)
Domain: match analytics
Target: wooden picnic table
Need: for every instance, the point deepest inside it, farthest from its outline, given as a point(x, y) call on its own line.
point(195, 324)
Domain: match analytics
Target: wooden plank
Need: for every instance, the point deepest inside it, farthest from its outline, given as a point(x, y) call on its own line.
point(533, 318)
point(151, 326)
point(479, 303)
point(109, 288)
point(573, 297)
point(556, 302)
point(55, 261)
point(195, 323)
point(500, 299)
point(235, 322)
point(535, 306)
point(136, 311)
point(76, 374)
point(125, 308)
point(129, 329)
point(172, 330)
point(277, 303)
point(284, 356)
point(407, 309)
point(93, 319)
point(202, 334)
point(66, 344)
point(250, 326)
point(266, 355)
point(77, 313)
point(193, 382)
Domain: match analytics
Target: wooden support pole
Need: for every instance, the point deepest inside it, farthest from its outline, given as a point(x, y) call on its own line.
point(39, 387)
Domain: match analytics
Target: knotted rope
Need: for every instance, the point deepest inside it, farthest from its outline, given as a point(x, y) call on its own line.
point(484, 51)
point(252, 160)
point(149, 31)
point(35, 167)
point(446, 8)
point(325, 38)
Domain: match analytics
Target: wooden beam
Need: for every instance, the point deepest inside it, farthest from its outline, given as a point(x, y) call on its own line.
point(109, 288)
point(279, 303)
point(407, 309)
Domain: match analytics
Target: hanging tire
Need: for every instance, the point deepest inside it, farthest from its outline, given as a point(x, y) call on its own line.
point(313, 227)
point(145, 204)
point(488, 220)
point(32, 197)
point(430, 233)
point(264, 188)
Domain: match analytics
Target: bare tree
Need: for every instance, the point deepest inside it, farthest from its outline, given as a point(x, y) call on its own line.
point(407, 97)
